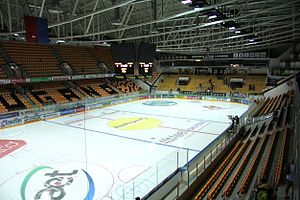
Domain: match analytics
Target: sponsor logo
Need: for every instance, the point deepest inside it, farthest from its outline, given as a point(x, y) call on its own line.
point(134, 123)
point(72, 180)
point(144, 97)
point(9, 115)
point(211, 107)
point(67, 111)
point(159, 103)
point(79, 109)
point(8, 146)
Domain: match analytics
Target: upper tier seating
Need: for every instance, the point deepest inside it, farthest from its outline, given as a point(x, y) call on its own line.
point(155, 74)
point(201, 83)
point(104, 55)
point(36, 59)
point(2, 74)
point(79, 59)
point(2, 61)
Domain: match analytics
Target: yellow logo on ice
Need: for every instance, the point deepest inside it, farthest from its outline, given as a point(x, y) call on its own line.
point(134, 123)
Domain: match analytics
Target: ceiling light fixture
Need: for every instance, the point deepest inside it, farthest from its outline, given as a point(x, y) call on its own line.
point(212, 16)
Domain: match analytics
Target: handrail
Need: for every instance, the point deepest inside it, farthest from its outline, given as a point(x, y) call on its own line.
point(279, 163)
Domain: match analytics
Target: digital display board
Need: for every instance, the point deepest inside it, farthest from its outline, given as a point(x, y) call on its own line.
point(124, 68)
point(145, 68)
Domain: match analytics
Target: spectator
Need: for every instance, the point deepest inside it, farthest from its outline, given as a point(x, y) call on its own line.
point(232, 122)
point(290, 175)
point(242, 132)
point(213, 85)
point(264, 190)
point(237, 120)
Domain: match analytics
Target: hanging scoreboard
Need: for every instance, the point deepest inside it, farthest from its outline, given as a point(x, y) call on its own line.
point(146, 58)
point(145, 69)
point(124, 68)
point(129, 63)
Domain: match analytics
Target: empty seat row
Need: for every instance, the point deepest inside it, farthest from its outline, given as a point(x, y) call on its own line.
point(37, 59)
point(204, 189)
point(253, 166)
point(218, 186)
point(78, 58)
point(229, 188)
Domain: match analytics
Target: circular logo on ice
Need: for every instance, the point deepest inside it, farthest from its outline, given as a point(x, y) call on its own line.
point(66, 181)
point(160, 103)
point(134, 123)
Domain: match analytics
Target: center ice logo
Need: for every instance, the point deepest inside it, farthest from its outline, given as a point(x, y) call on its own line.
point(160, 103)
point(49, 183)
point(211, 107)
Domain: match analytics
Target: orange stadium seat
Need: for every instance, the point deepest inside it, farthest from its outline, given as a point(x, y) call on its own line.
point(33, 57)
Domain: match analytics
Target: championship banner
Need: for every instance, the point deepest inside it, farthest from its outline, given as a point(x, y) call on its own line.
point(36, 29)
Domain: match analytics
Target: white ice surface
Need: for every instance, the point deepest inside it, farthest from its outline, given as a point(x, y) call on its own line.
point(116, 160)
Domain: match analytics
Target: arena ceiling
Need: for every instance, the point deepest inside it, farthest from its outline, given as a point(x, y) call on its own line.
point(188, 27)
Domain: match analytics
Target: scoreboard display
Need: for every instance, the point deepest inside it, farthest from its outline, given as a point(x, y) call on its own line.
point(145, 69)
point(124, 68)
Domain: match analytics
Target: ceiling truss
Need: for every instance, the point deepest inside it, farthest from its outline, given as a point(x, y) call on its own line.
point(171, 25)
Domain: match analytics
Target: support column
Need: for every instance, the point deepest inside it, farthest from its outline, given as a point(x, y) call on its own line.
point(9, 17)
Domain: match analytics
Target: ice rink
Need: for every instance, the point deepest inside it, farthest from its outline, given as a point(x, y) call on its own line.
point(116, 152)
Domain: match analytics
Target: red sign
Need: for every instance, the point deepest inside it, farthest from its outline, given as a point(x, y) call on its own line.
point(8, 146)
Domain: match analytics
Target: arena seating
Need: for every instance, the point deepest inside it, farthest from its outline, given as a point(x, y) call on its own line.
point(125, 86)
point(265, 163)
point(201, 83)
point(155, 74)
point(259, 148)
point(253, 166)
point(258, 81)
point(204, 189)
point(238, 172)
point(46, 93)
point(103, 54)
point(168, 82)
point(52, 93)
point(279, 163)
point(2, 74)
point(217, 187)
point(10, 101)
point(2, 61)
point(94, 88)
point(36, 59)
point(78, 58)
